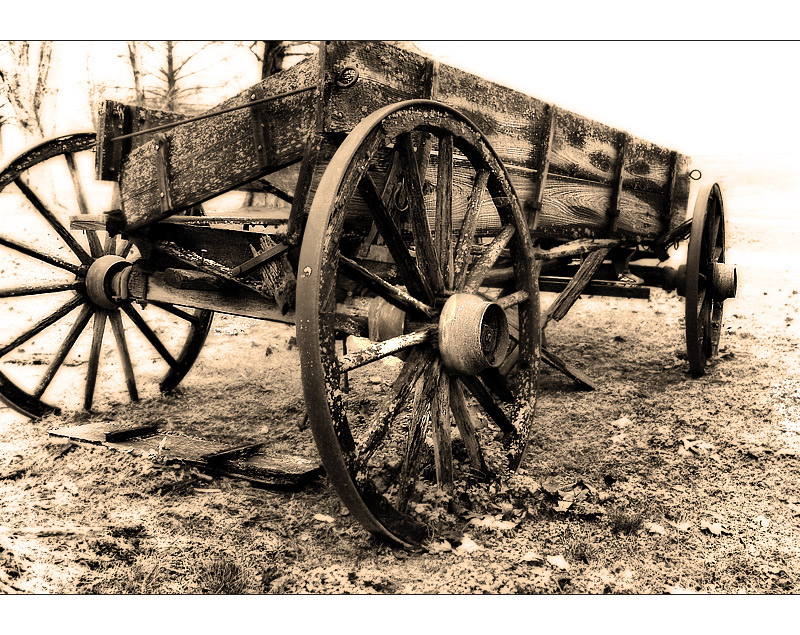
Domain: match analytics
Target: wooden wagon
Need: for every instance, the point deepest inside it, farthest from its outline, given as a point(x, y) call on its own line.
point(425, 209)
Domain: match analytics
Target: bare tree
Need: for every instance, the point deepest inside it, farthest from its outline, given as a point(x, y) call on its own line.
point(26, 84)
point(276, 55)
point(168, 72)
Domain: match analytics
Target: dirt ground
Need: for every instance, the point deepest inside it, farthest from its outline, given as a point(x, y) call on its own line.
point(654, 483)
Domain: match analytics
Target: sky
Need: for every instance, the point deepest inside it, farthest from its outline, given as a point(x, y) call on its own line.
point(699, 98)
point(704, 99)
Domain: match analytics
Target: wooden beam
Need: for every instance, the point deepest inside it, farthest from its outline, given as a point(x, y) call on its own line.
point(214, 155)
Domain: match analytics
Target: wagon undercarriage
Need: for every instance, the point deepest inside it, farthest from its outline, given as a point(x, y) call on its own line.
point(424, 211)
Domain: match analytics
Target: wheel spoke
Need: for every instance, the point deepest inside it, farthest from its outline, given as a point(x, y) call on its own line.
point(139, 322)
point(444, 209)
point(487, 402)
point(424, 147)
point(487, 259)
point(66, 346)
point(396, 296)
point(37, 289)
point(408, 269)
point(440, 429)
point(110, 246)
point(41, 325)
point(461, 414)
point(497, 383)
point(62, 231)
point(29, 251)
point(512, 299)
point(385, 417)
point(426, 255)
point(94, 358)
point(124, 248)
point(95, 248)
point(468, 227)
point(118, 330)
point(170, 308)
point(379, 350)
point(417, 430)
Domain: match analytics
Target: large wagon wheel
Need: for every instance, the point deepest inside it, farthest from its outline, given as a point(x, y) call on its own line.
point(454, 337)
point(54, 286)
point(709, 281)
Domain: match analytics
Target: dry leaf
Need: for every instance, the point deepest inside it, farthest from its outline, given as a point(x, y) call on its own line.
point(563, 505)
point(716, 529)
point(558, 561)
point(532, 556)
point(440, 547)
point(655, 529)
point(468, 545)
point(685, 526)
point(323, 518)
point(493, 522)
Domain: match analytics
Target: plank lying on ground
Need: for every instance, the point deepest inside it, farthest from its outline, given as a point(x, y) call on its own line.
point(279, 471)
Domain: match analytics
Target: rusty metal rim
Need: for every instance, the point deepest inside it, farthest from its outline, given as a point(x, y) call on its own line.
point(708, 206)
point(309, 330)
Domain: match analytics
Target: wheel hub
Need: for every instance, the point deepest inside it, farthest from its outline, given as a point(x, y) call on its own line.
point(103, 285)
point(473, 334)
point(724, 281)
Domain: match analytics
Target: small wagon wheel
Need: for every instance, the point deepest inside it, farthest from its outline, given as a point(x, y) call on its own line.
point(454, 337)
point(709, 281)
point(54, 285)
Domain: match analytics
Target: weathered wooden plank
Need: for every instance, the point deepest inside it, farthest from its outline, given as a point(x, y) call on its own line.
point(214, 155)
point(513, 123)
point(117, 119)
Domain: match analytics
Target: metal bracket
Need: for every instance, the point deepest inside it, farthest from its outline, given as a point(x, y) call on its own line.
point(259, 122)
point(260, 259)
point(535, 203)
point(430, 80)
point(162, 173)
point(613, 212)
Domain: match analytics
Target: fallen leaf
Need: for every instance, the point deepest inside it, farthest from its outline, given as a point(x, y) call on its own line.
point(622, 422)
point(558, 561)
point(550, 487)
point(493, 522)
point(468, 545)
point(761, 520)
point(563, 505)
point(532, 556)
point(653, 528)
point(323, 518)
point(440, 547)
point(717, 529)
point(685, 526)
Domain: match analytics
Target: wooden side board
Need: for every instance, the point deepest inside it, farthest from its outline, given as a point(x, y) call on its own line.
point(211, 156)
point(584, 152)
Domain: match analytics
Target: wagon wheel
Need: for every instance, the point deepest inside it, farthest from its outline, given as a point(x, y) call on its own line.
point(454, 337)
point(54, 285)
point(709, 281)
